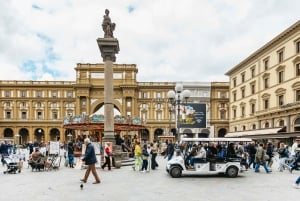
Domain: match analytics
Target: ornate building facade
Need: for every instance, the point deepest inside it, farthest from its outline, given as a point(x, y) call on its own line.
point(265, 89)
point(35, 110)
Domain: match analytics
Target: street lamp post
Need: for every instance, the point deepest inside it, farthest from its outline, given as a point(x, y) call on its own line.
point(175, 98)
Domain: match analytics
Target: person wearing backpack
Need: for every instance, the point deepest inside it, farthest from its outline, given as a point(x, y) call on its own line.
point(270, 150)
point(260, 158)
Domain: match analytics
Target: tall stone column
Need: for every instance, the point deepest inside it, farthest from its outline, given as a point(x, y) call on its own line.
point(109, 47)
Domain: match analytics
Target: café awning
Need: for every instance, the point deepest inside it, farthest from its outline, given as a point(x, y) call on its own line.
point(259, 133)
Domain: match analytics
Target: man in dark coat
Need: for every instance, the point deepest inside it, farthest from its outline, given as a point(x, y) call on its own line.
point(90, 160)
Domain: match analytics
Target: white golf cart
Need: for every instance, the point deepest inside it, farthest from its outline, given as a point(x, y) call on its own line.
point(178, 167)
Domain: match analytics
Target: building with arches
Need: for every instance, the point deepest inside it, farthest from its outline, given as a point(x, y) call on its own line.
point(265, 89)
point(35, 110)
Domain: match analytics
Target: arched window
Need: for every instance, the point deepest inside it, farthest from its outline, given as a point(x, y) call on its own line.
point(267, 125)
point(281, 123)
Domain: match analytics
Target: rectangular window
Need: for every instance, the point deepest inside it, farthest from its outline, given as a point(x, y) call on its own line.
point(234, 82)
point(23, 93)
point(266, 83)
point(23, 105)
point(234, 96)
point(8, 115)
point(38, 94)
point(24, 115)
point(298, 69)
point(38, 104)
point(7, 93)
point(280, 76)
point(54, 94)
point(39, 115)
point(298, 47)
point(252, 108)
point(266, 104)
point(252, 89)
point(158, 106)
point(69, 94)
point(7, 104)
point(280, 100)
point(243, 77)
point(222, 114)
point(243, 93)
point(54, 116)
point(253, 72)
point(158, 94)
point(69, 105)
point(144, 94)
point(280, 56)
point(243, 111)
point(298, 95)
point(234, 113)
point(266, 64)
point(222, 105)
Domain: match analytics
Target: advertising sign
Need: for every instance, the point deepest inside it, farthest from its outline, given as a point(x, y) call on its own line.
point(192, 115)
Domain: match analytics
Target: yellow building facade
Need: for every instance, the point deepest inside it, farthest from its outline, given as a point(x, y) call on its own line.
point(265, 89)
point(35, 110)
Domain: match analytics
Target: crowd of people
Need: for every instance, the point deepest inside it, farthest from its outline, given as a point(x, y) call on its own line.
point(253, 154)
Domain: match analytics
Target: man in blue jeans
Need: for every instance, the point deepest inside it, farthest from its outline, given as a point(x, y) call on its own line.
point(260, 159)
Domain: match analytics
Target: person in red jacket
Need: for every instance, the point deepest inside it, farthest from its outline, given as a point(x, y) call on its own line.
point(107, 155)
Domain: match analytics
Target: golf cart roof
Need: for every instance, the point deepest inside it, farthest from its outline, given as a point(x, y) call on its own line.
point(216, 139)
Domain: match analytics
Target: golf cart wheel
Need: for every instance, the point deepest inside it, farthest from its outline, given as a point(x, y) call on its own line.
point(175, 172)
point(232, 171)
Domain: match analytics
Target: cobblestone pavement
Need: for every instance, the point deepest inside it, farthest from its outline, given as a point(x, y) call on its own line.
point(127, 185)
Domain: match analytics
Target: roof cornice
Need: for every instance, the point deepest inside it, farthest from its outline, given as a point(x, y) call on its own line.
point(278, 38)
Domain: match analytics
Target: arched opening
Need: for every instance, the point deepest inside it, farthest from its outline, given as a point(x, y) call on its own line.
point(158, 132)
point(145, 135)
point(204, 133)
point(39, 136)
point(24, 136)
point(188, 133)
point(222, 132)
point(54, 134)
point(99, 109)
point(297, 125)
point(173, 131)
point(8, 133)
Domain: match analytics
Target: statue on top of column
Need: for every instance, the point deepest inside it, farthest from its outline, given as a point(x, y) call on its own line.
point(107, 26)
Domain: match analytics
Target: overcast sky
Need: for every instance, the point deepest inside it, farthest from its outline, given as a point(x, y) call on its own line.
point(168, 40)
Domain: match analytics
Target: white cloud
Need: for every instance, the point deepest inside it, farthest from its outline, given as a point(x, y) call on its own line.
point(169, 40)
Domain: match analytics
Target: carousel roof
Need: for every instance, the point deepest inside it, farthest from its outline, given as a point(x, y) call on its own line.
point(96, 122)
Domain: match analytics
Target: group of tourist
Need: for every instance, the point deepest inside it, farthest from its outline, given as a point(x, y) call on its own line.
point(144, 155)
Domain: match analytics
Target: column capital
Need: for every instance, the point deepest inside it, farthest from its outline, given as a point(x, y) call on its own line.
point(108, 47)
